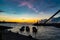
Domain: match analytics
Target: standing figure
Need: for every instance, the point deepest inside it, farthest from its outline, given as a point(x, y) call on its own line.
point(22, 28)
point(27, 29)
point(34, 30)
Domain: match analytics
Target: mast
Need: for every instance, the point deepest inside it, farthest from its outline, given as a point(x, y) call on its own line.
point(52, 16)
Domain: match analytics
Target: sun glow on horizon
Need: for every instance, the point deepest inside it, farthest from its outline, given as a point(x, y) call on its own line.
point(22, 20)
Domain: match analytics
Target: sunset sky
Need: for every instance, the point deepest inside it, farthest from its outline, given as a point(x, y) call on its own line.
point(28, 10)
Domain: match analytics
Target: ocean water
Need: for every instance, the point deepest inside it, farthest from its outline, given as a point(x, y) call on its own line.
point(44, 32)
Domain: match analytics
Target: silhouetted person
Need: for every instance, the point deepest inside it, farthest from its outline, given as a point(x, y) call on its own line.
point(27, 29)
point(34, 30)
point(22, 28)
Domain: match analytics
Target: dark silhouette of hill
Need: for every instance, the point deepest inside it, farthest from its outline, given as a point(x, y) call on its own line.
point(7, 22)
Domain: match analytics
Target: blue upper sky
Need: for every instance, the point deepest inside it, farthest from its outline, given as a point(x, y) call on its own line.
point(29, 8)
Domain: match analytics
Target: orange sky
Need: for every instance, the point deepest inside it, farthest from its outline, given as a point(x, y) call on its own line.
point(19, 20)
point(12, 18)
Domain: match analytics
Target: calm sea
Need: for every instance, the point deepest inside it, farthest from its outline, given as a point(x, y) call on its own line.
point(44, 32)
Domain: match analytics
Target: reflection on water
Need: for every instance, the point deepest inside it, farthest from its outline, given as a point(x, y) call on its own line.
point(44, 32)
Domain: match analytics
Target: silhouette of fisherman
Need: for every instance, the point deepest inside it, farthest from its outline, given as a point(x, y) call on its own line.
point(34, 30)
point(27, 29)
point(22, 28)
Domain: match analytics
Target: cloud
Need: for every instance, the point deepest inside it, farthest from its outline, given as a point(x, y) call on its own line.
point(1, 11)
point(26, 4)
point(29, 5)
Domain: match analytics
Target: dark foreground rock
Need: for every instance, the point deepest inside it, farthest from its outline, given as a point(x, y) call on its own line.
point(15, 36)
